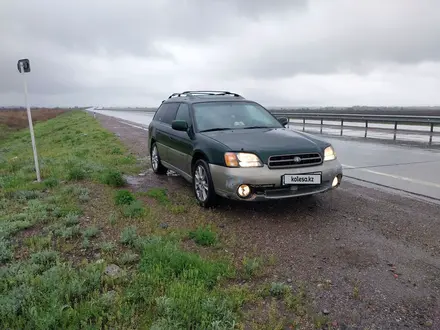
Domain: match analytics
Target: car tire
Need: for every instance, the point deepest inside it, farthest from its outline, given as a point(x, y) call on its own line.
point(156, 164)
point(202, 184)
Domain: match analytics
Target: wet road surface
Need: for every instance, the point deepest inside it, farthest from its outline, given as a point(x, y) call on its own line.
point(402, 168)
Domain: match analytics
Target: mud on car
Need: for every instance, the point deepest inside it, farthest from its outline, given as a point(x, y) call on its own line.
point(229, 146)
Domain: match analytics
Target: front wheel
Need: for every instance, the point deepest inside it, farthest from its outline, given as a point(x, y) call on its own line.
point(156, 164)
point(202, 184)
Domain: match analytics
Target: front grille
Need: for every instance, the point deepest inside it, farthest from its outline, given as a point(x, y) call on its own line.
point(294, 160)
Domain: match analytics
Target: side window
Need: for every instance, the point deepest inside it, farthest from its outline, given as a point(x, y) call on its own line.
point(160, 113)
point(183, 113)
point(167, 112)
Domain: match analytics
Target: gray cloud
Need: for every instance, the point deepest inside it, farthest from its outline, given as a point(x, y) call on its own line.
point(350, 38)
point(132, 26)
point(123, 52)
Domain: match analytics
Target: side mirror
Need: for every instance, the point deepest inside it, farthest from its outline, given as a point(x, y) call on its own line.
point(179, 125)
point(283, 121)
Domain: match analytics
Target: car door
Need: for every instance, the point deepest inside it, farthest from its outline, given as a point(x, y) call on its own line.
point(181, 143)
point(165, 115)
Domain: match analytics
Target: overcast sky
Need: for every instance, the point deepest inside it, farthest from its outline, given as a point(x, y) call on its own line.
point(278, 52)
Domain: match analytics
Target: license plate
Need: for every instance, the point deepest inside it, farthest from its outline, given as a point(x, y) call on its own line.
point(301, 179)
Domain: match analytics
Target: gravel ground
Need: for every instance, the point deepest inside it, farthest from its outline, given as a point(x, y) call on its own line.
point(371, 259)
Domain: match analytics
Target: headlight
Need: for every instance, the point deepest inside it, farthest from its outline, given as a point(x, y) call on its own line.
point(242, 159)
point(329, 154)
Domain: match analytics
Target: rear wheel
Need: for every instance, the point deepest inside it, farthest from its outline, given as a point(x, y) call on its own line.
point(202, 184)
point(156, 164)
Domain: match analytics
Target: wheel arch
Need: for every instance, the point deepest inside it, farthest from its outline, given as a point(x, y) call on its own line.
point(152, 140)
point(198, 154)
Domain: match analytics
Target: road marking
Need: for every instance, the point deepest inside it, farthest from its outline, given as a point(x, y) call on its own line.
point(123, 122)
point(396, 176)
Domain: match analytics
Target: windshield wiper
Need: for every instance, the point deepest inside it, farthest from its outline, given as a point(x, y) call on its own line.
point(216, 129)
point(250, 127)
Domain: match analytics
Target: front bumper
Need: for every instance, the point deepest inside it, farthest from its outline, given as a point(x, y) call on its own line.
point(267, 184)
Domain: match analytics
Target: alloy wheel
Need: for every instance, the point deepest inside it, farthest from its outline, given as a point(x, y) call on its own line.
point(155, 158)
point(201, 183)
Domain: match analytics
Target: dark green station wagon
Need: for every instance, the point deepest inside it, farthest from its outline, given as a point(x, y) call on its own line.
point(229, 146)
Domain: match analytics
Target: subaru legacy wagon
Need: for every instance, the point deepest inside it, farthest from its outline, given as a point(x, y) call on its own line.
point(229, 146)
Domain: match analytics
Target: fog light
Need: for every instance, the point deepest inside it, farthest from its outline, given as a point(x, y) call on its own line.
point(244, 190)
point(335, 181)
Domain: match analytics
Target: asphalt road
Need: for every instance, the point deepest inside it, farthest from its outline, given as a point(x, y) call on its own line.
point(400, 168)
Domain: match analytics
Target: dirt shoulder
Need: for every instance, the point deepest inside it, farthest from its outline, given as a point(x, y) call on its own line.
point(367, 258)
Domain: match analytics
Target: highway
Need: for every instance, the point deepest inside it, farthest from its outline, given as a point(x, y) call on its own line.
point(402, 169)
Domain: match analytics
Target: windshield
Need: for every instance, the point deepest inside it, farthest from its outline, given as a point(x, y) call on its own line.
point(232, 115)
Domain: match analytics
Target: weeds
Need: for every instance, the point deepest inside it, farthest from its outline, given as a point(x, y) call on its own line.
point(129, 258)
point(113, 178)
point(178, 209)
point(123, 197)
point(91, 232)
point(71, 219)
point(85, 243)
point(203, 236)
point(70, 232)
point(133, 210)
point(112, 219)
point(76, 173)
point(108, 246)
point(45, 258)
point(51, 182)
point(37, 243)
point(356, 290)
point(278, 289)
point(129, 236)
point(158, 194)
point(251, 266)
point(5, 250)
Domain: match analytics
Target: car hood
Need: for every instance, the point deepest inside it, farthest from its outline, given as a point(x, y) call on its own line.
point(268, 141)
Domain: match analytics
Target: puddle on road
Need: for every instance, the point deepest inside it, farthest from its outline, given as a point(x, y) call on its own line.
point(147, 180)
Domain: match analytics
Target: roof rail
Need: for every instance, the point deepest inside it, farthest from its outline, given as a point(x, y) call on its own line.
point(194, 93)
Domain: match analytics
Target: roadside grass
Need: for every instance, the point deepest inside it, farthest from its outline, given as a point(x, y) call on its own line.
point(203, 236)
point(82, 250)
point(77, 251)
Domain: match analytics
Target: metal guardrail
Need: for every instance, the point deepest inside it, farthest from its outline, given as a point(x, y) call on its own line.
point(345, 118)
point(427, 121)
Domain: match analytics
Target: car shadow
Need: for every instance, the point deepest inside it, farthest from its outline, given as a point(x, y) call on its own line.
point(305, 204)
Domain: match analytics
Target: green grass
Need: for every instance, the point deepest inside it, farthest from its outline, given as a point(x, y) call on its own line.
point(158, 194)
point(91, 232)
point(190, 296)
point(123, 197)
point(113, 178)
point(50, 277)
point(108, 246)
point(71, 147)
point(133, 210)
point(128, 258)
point(278, 289)
point(251, 266)
point(129, 236)
point(171, 289)
point(203, 235)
